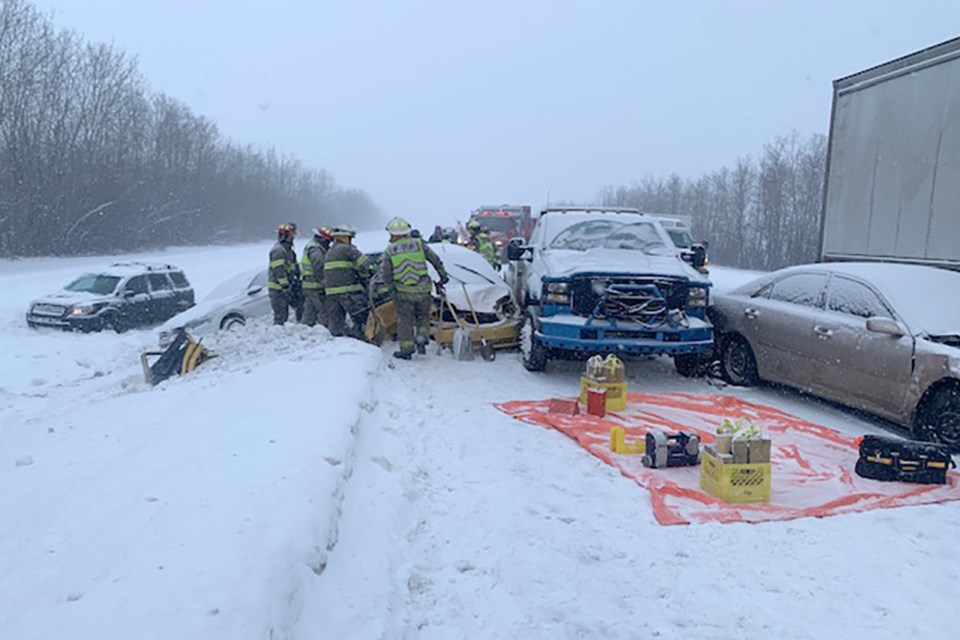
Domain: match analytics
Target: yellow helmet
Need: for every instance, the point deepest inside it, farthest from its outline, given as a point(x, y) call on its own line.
point(398, 227)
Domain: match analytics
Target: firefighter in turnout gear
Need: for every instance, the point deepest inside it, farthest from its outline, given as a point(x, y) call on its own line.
point(346, 272)
point(481, 242)
point(282, 273)
point(311, 270)
point(404, 269)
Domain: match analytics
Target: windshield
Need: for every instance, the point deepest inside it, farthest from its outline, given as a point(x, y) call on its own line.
point(681, 238)
point(498, 224)
point(100, 285)
point(608, 234)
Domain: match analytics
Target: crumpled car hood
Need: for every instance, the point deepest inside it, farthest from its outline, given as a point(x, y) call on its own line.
point(563, 263)
point(484, 297)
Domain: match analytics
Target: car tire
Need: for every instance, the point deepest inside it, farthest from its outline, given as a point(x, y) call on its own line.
point(532, 352)
point(939, 418)
point(738, 365)
point(232, 322)
point(111, 321)
point(689, 365)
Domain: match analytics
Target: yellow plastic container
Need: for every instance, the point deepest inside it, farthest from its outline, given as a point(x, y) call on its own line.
point(616, 393)
point(735, 483)
point(619, 444)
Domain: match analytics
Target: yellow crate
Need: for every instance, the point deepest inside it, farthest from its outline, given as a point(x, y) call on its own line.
point(735, 483)
point(616, 393)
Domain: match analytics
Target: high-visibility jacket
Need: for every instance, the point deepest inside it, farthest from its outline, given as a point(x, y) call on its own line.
point(311, 265)
point(404, 266)
point(283, 266)
point(345, 269)
point(483, 244)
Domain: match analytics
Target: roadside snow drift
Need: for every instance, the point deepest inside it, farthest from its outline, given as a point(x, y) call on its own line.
point(812, 466)
point(199, 508)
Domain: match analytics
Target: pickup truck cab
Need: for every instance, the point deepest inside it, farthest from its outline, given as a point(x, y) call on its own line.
point(607, 280)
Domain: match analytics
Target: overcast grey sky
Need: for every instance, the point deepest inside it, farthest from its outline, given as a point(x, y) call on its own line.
point(435, 107)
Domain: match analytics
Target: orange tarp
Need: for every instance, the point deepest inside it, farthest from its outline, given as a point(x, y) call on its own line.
point(812, 466)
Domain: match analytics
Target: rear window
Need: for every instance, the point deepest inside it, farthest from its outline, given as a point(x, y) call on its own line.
point(179, 280)
point(159, 281)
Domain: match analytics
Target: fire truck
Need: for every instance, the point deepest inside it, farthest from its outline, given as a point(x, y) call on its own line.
point(505, 222)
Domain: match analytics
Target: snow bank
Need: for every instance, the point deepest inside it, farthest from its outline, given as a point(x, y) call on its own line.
point(195, 509)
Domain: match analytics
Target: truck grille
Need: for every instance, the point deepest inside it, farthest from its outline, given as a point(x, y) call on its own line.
point(641, 299)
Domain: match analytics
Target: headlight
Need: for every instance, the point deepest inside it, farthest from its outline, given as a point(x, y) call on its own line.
point(82, 309)
point(556, 292)
point(697, 297)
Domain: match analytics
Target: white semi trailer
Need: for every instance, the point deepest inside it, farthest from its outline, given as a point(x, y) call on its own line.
point(893, 163)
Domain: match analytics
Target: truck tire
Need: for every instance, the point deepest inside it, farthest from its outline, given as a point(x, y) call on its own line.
point(737, 362)
point(689, 365)
point(532, 352)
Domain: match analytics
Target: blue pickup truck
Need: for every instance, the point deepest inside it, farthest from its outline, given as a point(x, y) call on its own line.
point(608, 280)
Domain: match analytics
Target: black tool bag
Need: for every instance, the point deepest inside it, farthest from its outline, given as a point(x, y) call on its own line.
point(893, 460)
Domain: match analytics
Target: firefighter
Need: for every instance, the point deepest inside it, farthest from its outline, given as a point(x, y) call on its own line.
point(481, 242)
point(404, 270)
point(311, 270)
point(296, 283)
point(346, 272)
point(282, 273)
point(437, 235)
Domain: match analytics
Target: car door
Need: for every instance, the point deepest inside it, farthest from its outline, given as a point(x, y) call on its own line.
point(859, 367)
point(778, 324)
point(163, 298)
point(136, 308)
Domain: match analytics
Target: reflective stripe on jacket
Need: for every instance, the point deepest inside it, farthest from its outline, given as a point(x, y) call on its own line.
point(283, 266)
point(483, 244)
point(404, 266)
point(311, 265)
point(408, 266)
point(345, 269)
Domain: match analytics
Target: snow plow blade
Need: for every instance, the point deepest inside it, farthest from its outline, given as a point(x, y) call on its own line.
point(182, 356)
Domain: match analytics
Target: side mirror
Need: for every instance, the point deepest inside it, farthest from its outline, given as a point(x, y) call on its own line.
point(886, 326)
point(699, 256)
point(127, 293)
point(254, 291)
point(516, 250)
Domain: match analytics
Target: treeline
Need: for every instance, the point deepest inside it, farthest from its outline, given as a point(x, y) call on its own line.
point(91, 160)
point(757, 214)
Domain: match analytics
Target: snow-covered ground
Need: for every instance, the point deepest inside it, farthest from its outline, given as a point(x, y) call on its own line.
point(300, 486)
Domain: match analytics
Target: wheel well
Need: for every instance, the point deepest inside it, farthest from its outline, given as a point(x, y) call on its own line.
point(231, 316)
point(932, 390)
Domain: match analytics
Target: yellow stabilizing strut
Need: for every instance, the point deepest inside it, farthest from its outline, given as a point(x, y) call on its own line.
point(618, 442)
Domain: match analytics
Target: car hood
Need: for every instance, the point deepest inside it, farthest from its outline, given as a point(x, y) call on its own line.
point(70, 298)
point(563, 263)
point(483, 297)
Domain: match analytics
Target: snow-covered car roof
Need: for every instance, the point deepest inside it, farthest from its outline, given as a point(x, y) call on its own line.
point(924, 296)
point(133, 268)
point(238, 284)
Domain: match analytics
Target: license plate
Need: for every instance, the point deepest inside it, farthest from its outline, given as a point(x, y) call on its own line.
point(47, 321)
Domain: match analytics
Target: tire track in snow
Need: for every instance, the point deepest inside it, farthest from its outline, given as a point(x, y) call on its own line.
point(359, 591)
